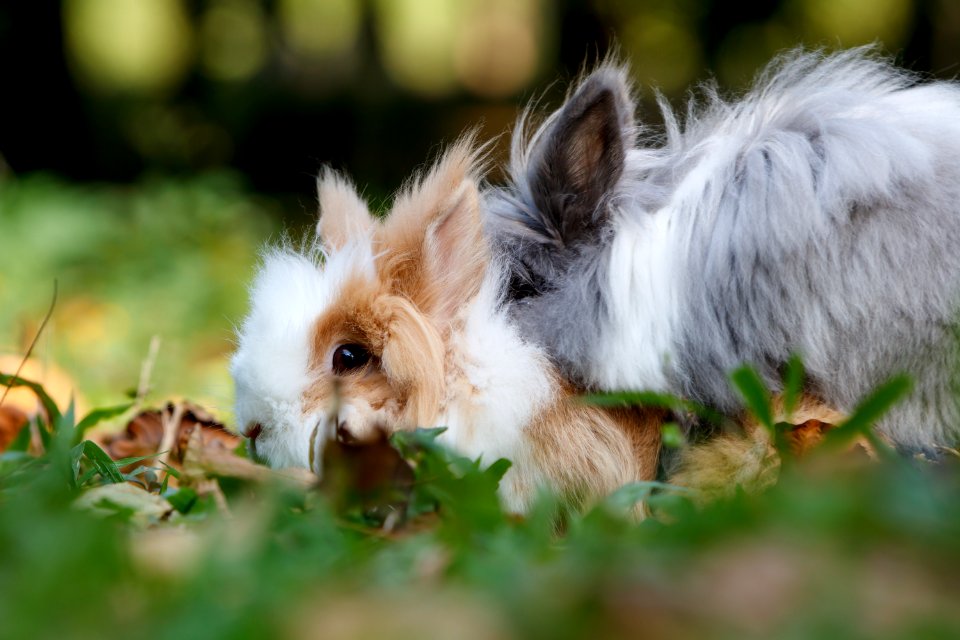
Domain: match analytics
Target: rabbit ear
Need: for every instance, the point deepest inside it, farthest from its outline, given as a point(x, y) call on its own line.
point(440, 252)
point(343, 214)
point(576, 159)
point(456, 251)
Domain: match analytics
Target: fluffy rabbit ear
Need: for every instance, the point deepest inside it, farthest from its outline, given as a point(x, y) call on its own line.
point(437, 228)
point(576, 159)
point(343, 214)
point(456, 251)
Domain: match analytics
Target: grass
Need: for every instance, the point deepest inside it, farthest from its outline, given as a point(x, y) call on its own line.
point(837, 548)
point(161, 258)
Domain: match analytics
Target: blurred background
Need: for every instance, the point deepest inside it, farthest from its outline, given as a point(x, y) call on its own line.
point(148, 148)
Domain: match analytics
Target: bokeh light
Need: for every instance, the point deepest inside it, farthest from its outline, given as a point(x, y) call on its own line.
point(233, 40)
point(497, 51)
point(854, 22)
point(660, 42)
point(417, 39)
point(119, 45)
point(319, 28)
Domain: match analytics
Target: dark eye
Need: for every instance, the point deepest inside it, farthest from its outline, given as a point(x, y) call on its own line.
point(349, 357)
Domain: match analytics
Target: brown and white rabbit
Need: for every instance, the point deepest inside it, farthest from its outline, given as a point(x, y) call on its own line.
point(400, 324)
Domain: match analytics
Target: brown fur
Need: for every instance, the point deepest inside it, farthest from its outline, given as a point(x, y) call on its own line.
point(431, 258)
point(436, 254)
point(588, 452)
point(345, 215)
point(749, 460)
point(403, 384)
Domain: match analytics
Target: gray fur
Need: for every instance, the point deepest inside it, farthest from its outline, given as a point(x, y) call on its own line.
point(553, 221)
point(827, 224)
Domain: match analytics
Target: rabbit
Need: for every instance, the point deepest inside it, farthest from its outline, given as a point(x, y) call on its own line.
point(817, 215)
point(396, 324)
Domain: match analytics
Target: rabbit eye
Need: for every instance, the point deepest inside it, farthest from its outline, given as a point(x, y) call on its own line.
point(349, 357)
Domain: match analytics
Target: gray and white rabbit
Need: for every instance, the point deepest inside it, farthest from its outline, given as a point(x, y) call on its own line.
point(819, 215)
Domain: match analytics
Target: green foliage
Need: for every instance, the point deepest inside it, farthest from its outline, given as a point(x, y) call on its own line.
point(755, 395)
point(167, 258)
point(833, 551)
point(671, 436)
point(653, 399)
point(868, 412)
point(63, 448)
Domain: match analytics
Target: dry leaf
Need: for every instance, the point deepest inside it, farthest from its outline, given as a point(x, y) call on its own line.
point(142, 437)
point(12, 420)
point(143, 507)
point(195, 428)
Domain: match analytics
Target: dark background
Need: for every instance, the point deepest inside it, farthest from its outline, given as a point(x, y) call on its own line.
point(276, 118)
point(149, 149)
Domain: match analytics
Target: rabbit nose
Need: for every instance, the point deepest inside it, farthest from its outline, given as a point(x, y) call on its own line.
point(254, 431)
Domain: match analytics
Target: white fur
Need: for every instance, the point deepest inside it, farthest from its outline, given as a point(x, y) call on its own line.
point(496, 383)
point(271, 366)
point(508, 385)
point(643, 306)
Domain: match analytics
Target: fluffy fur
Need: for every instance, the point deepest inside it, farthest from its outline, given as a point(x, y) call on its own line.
point(746, 458)
point(819, 214)
point(422, 294)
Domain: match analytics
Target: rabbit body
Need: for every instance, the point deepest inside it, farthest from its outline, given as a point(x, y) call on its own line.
point(817, 215)
point(382, 326)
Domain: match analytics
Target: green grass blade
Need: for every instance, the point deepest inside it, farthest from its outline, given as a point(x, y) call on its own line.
point(22, 441)
point(49, 406)
point(46, 436)
point(651, 399)
point(172, 471)
point(756, 396)
point(98, 415)
point(166, 482)
point(103, 462)
point(87, 477)
point(870, 409)
point(66, 423)
point(122, 462)
point(76, 455)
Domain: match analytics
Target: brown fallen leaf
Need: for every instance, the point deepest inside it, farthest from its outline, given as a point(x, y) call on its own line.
point(141, 437)
point(199, 429)
point(144, 435)
point(190, 439)
point(12, 420)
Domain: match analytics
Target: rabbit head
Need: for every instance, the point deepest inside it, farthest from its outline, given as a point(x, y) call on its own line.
point(393, 325)
point(552, 224)
point(346, 337)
